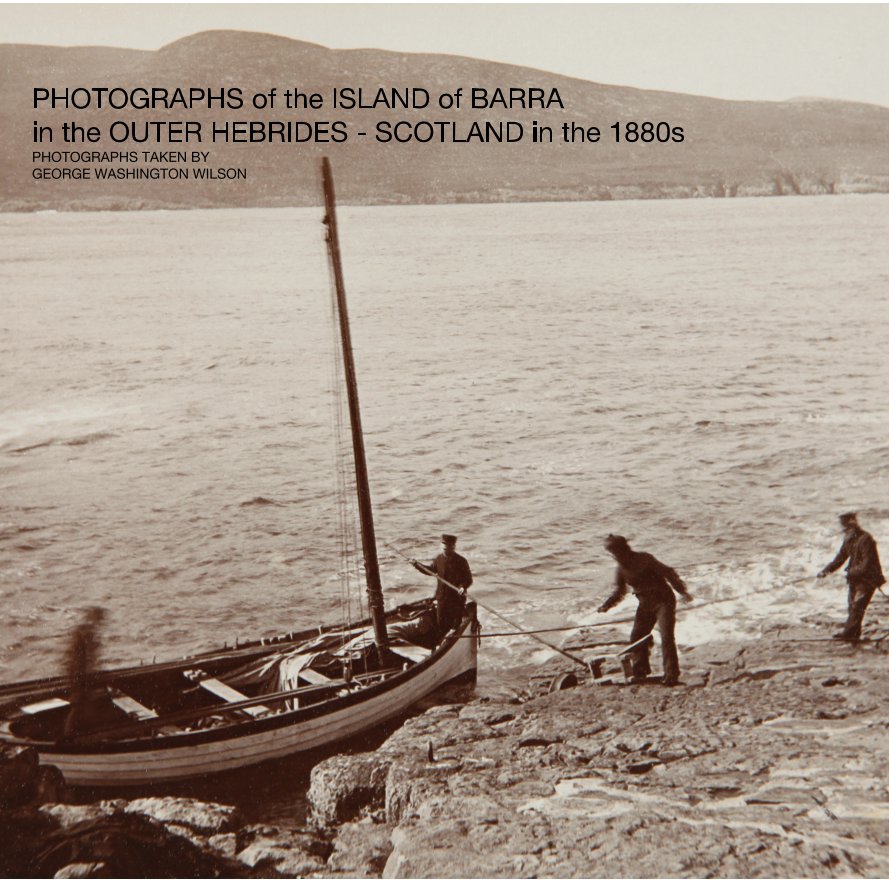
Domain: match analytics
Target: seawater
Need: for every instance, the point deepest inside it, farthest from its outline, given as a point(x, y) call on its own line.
point(705, 377)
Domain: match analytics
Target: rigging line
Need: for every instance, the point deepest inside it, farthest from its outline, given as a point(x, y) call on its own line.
point(346, 519)
point(339, 489)
point(529, 631)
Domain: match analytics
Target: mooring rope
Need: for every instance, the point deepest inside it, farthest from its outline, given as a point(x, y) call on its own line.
point(623, 621)
point(576, 659)
point(533, 632)
point(590, 665)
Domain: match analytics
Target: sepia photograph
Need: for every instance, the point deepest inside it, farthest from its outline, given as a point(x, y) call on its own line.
point(444, 440)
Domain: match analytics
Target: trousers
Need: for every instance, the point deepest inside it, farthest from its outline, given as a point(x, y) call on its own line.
point(648, 614)
point(859, 597)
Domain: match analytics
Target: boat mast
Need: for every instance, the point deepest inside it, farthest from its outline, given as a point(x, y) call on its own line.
point(365, 510)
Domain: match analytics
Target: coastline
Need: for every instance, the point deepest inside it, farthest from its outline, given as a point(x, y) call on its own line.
point(706, 188)
point(770, 760)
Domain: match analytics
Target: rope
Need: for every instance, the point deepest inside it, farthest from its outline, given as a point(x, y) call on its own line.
point(346, 532)
point(523, 632)
point(532, 633)
point(576, 659)
point(632, 618)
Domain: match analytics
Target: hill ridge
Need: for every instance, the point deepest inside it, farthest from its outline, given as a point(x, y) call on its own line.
point(698, 146)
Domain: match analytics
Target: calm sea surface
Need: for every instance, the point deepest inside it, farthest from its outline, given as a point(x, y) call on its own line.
point(706, 377)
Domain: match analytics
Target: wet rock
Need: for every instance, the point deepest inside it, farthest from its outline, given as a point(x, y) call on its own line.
point(786, 796)
point(284, 852)
point(360, 851)
point(487, 715)
point(540, 733)
point(72, 815)
point(407, 783)
point(671, 756)
point(342, 786)
point(129, 846)
point(641, 768)
point(202, 817)
point(225, 844)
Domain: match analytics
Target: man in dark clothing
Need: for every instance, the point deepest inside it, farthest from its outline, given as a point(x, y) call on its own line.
point(863, 574)
point(81, 662)
point(653, 584)
point(452, 568)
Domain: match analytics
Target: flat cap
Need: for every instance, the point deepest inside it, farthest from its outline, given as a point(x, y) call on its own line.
point(616, 543)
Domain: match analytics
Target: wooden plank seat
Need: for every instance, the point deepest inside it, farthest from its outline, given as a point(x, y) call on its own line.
point(231, 695)
point(411, 651)
point(38, 707)
point(133, 708)
point(316, 678)
point(138, 711)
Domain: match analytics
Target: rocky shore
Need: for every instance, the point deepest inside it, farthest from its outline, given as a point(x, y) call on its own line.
point(770, 760)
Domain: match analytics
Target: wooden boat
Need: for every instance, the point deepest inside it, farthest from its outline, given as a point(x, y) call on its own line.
point(219, 711)
point(270, 698)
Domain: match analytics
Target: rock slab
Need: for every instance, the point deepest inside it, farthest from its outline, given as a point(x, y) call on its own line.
point(772, 761)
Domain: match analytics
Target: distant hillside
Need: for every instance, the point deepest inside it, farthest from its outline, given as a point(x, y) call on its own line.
point(729, 148)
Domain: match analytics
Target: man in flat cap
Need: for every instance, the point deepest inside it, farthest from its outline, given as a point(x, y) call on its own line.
point(452, 568)
point(653, 584)
point(863, 573)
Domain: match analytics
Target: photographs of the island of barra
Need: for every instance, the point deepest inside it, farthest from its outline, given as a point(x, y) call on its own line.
point(457, 489)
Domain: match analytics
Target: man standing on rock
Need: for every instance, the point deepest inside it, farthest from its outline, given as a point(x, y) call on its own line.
point(454, 578)
point(863, 574)
point(653, 584)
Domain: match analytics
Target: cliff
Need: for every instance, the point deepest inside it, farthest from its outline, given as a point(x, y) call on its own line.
point(727, 148)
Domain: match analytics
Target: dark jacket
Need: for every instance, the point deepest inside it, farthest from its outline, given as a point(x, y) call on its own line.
point(650, 580)
point(453, 568)
point(81, 658)
point(860, 549)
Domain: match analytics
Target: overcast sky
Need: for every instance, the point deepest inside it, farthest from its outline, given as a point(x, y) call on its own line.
point(750, 51)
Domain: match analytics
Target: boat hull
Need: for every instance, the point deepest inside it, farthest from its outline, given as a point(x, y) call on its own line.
point(195, 754)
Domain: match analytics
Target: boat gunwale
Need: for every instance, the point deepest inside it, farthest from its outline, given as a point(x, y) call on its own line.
point(40, 685)
point(245, 728)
